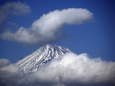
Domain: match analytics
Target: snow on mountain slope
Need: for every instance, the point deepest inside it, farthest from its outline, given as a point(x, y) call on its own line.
point(37, 59)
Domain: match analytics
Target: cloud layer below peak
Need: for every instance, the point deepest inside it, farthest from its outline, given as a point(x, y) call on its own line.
point(48, 27)
point(70, 70)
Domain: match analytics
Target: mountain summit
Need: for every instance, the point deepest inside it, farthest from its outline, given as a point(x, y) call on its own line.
point(37, 59)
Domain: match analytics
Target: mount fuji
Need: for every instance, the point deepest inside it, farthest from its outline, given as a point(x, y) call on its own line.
point(40, 57)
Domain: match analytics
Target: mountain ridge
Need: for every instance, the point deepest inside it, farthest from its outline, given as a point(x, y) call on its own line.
point(40, 57)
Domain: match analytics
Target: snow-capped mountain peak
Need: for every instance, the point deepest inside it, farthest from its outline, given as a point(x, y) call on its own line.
point(37, 59)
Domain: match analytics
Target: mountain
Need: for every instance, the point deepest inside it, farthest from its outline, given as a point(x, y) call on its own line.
point(40, 57)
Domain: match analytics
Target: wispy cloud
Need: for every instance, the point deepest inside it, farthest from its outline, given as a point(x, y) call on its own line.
point(48, 27)
point(13, 8)
point(71, 70)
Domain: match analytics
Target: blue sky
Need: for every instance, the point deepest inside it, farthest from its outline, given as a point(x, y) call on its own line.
point(96, 38)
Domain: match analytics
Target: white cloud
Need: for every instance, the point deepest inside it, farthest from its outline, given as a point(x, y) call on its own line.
point(75, 69)
point(48, 27)
point(4, 62)
point(13, 8)
point(71, 70)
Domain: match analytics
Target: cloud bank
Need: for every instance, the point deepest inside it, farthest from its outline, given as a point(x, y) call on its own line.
point(13, 8)
point(71, 70)
point(48, 27)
